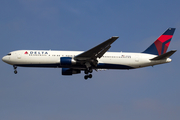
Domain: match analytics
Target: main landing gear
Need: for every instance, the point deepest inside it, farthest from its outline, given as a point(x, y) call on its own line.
point(15, 71)
point(87, 71)
point(87, 76)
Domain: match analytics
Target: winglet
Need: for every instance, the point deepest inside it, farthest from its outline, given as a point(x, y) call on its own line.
point(165, 55)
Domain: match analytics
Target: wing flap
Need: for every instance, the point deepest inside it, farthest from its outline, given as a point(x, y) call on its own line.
point(102, 52)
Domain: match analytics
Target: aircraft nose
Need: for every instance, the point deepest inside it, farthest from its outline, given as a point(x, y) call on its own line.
point(5, 59)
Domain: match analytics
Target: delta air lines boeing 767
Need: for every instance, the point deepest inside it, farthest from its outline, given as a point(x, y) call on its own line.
point(96, 58)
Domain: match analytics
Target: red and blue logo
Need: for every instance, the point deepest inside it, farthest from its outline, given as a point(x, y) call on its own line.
point(161, 45)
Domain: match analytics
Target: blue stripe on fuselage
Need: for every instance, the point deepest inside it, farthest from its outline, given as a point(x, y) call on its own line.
point(99, 66)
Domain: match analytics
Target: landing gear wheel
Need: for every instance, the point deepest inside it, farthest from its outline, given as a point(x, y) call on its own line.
point(15, 67)
point(15, 72)
point(88, 70)
point(86, 77)
point(90, 76)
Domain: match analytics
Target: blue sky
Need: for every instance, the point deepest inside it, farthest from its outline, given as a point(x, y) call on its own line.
point(44, 94)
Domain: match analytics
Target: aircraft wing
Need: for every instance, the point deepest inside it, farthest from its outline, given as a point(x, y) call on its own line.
point(97, 51)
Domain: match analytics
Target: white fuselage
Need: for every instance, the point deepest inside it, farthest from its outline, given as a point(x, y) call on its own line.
point(110, 60)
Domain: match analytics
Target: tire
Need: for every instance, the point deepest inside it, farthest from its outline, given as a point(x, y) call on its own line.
point(85, 77)
point(90, 76)
point(15, 72)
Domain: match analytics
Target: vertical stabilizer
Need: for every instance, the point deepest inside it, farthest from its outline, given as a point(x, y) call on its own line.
point(161, 45)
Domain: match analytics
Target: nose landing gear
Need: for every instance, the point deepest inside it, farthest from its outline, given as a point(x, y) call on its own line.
point(15, 71)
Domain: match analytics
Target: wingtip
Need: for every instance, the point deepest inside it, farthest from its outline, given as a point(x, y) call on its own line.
point(171, 28)
point(115, 37)
point(174, 50)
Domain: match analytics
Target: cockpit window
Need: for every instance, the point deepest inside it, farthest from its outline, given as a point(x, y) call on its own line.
point(9, 54)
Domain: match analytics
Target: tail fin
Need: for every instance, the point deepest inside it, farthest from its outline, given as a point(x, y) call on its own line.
point(161, 45)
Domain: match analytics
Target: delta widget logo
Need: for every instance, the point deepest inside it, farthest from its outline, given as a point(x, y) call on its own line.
point(26, 52)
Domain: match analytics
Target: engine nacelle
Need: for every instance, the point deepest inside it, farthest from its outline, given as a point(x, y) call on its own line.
point(67, 61)
point(69, 71)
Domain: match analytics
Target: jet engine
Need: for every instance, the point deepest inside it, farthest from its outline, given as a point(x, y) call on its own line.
point(69, 71)
point(67, 61)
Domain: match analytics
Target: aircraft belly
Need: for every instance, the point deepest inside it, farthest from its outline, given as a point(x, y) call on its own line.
point(113, 66)
point(116, 63)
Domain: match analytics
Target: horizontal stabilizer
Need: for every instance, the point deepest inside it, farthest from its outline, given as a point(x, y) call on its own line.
point(165, 55)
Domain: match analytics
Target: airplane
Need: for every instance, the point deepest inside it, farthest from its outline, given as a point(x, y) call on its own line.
point(96, 58)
